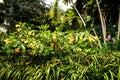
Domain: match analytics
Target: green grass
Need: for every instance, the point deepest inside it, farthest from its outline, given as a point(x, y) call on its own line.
point(80, 66)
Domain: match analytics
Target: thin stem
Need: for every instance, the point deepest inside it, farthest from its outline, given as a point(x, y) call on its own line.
point(102, 19)
point(79, 15)
point(119, 23)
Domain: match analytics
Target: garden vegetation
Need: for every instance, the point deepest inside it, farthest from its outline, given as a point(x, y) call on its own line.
point(59, 45)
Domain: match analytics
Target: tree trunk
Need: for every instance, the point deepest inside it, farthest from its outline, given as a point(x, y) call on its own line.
point(119, 22)
point(79, 15)
point(102, 19)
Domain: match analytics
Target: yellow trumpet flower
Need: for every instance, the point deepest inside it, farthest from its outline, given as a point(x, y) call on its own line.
point(29, 33)
point(17, 25)
point(79, 49)
point(81, 39)
point(19, 29)
point(30, 45)
point(37, 46)
point(22, 40)
point(76, 38)
point(90, 39)
point(71, 40)
point(54, 37)
point(7, 41)
point(20, 35)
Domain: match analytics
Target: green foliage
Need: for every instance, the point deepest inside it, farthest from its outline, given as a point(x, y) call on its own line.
point(29, 11)
point(46, 53)
point(54, 15)
point(44, 42)
point(72, 20)
point(25, 43)
point(63, 20)
point(28, 54)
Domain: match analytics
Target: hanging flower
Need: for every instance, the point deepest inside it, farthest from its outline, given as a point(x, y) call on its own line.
point(108, 38)
point(17, 50)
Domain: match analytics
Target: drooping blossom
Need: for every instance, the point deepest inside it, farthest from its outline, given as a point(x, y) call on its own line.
point(108, 38)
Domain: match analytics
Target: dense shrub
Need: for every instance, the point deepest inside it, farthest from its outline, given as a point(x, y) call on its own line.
point(28, 54)
point(26, 42)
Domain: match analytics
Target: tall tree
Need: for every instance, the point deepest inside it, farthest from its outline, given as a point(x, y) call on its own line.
point(30, 11)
